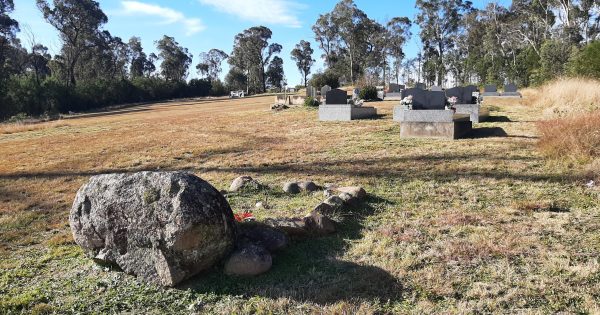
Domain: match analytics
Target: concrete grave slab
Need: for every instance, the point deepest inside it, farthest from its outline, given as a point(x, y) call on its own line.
point(345, 112)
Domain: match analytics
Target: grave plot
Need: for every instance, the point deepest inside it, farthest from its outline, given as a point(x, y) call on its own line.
point(336, 108)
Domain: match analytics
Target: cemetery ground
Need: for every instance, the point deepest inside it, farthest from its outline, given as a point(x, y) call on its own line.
point(484, 224)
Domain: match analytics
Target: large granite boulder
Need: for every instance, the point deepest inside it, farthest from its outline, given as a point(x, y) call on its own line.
point(162, 227)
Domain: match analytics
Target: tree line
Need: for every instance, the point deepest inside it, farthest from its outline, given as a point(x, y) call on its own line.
point(527, 43)
point(95, 69)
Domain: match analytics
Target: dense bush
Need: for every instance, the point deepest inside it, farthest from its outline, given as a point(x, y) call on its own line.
point(23, 94)
point(311, 102)
point(368, 93)
point(586, 63)
point(328, 77)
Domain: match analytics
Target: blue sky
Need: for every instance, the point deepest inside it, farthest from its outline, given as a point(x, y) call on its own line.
point(201, 25)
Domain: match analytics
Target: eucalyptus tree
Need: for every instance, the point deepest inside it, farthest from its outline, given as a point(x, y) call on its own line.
point(210, 63)
point(440, 20)
point(398, 33)
point(326, 34)
point(79, 24)
point(275, 72)
point(141, 64)
point(302, 55)
point(8, 32)
point(252, 53)
point(176, 59)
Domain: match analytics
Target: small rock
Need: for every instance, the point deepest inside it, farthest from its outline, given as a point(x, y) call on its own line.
point(278, 107)
point(262, 235)
point(325, 208)
point(319, 224)
point(334, 201)
point(259, 205)
point(308, 186)
point(243, 183)
point(355, 191)
point(349, 199)
point(328, 193)
point(291, 226)
point(291, 188)
point(590, 184)
point(248, 260)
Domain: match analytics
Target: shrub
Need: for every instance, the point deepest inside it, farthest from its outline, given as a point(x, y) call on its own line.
point(575, 137)
point(586, 63)
point(328, 77)
point(311, 102)
point(368, 93)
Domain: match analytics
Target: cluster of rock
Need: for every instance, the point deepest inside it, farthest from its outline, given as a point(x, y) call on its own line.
point(279, 107)
point(165, 227)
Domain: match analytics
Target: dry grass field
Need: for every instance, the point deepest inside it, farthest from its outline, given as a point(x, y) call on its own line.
point(477, 225)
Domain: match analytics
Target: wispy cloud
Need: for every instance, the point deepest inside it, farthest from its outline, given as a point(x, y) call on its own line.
point(281, 12)
point(167, 15)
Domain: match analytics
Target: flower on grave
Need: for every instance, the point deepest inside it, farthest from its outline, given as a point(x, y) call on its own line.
point(452, 100)
point(407, 101)
point(244, 216)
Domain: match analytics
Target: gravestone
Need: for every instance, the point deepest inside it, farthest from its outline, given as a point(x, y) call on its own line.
point(394, 88)
point(468, 94)
point(418, 97)
point(336, 97)
point(436, 88)
point(324, 90)
point(490, 89)
point(435, 100)
point(457, 92)
point(420, 86)
point(511, 88)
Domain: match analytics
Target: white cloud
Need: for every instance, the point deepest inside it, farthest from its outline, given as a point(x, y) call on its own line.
point(279, 12)
point(168, 15)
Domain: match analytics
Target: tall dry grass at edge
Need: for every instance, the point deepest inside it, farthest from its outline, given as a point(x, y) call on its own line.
point(565, 97)
point(571, 131)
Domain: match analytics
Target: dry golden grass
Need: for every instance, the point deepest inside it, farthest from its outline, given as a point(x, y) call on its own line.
point(577, 137)
point(565, 97)
point(9, 128)
point(478, 225)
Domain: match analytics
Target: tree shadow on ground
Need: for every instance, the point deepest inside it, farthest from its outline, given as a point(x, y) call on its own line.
point(407, 167)
point(309, 270)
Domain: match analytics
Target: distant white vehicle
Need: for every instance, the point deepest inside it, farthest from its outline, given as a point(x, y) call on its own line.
point(237, 94)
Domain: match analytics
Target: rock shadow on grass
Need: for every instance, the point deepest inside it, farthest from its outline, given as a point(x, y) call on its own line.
point(308, 270)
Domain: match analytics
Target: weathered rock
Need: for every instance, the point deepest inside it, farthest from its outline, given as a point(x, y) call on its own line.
point(356, 191)
point(244, 183)
point(262, 235)
point(291, 188)
point(326, 208)
point(308, 186)
point(349, 199)
point(291, 226)
point(328, 193)
point(319, 224)
point(334, 201)
point(162, 227)
point(248, 260)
